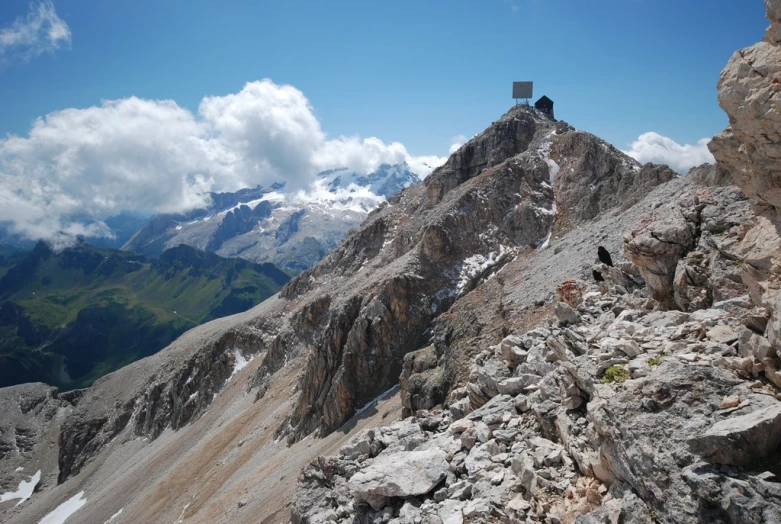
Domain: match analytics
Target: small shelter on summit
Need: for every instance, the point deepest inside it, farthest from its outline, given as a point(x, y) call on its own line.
point(545, 105)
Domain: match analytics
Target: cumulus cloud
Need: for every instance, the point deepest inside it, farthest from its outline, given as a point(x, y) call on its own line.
point(653, 147)
point(456, 142)
point(77, 167)
point(270, 129)
point(39, 32)
point(364, 155)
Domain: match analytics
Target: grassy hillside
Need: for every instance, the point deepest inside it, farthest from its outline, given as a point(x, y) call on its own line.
point(69, 318)
point(9, 257)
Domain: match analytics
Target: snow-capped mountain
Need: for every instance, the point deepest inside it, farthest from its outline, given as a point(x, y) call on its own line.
point(291, 230)
point(386, 181)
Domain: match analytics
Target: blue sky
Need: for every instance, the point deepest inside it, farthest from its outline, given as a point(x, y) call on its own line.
point(417, 75)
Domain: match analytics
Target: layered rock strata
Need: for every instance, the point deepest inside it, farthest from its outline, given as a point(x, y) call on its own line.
point(611, 411)
point(750, 93)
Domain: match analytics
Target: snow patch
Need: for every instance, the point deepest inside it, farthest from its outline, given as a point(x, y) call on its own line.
point(20, 468)
point(545, 242)
point(553, 171)
point(181, 517)
point(542, 211)
point(273, 196)
point(476, 265)
point(65, 510)
point(252, 204)
point(553, 167)
point(115, 515)
point(353, 198)
point(375, 400)
point(239, 362)
point(25, 489)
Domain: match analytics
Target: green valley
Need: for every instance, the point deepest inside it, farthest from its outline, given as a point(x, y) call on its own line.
point(69, 318)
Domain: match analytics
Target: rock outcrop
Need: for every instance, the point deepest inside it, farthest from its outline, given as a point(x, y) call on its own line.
point(749, 92)
point(620, 413)
point(749, 89)
point(738, 441)
point(592, 177)
point(688, 251)
point(399, 475)
point(29, 429)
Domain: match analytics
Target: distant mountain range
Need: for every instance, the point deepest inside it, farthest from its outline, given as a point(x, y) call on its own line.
point(292, 230)
point(386, 181)
point(69, 318)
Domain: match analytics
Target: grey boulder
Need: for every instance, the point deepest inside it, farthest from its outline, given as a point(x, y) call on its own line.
point(741, 440)
point(402, 474)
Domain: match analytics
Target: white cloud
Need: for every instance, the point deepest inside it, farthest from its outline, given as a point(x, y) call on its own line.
point(653, 147)
point(38, 32)
point(76, 167)
point(456, 142)
point(270, 129)
point(365, 155)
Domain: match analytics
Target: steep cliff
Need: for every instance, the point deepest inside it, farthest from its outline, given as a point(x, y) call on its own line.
point(750, 94)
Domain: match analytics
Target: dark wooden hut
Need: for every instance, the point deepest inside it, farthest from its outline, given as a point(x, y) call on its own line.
point(545, 105)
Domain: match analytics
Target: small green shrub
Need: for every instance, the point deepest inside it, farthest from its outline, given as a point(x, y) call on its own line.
point(616, 374)
point(655, 361)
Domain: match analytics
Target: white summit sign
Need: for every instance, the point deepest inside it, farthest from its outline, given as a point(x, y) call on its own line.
point(522, 90)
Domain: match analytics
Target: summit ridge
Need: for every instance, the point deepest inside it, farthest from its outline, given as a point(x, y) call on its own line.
point(452, 359)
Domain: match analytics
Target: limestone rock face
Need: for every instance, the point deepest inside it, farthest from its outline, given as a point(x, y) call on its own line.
point(627, 415)
point(749, 89)
point(421, 380)
point(402, 474)
point(593, 176)
point(657, 242)
point(30, 415)
point(167, 401)
point(710, 175)
point(505, 138)
point(773, 34)
point(750, 93)
point(760, 249)
point(740, 440)
point(687, 250)
point(431, 247)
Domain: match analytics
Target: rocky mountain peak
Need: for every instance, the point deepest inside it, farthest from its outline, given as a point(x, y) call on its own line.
point(502, 194)
point(503, 139)
point(292, 230)
point(385, 181)
point(466, 307)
